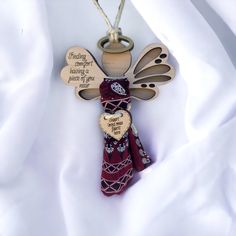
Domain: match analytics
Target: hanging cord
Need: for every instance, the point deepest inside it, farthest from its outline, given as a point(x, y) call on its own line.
point(113, 30)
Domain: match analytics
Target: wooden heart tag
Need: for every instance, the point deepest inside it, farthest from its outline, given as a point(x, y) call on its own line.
point(116, 124)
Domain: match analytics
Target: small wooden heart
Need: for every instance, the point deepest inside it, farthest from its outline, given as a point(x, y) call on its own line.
point(115, 124)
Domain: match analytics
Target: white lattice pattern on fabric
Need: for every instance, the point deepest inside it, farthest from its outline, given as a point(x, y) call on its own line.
point(114, 105)
point(112, 187)
point(114, 168)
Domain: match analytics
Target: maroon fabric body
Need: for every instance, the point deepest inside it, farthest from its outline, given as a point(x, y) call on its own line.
point(123, 156)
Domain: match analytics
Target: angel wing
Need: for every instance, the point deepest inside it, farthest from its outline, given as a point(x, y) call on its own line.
point(83, 73)
point(150, 71)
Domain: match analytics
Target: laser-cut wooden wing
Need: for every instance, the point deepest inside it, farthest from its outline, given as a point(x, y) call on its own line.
point(83, 73)
point(150, 71)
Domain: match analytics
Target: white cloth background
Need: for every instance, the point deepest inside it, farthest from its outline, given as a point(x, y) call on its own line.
point(51, 145)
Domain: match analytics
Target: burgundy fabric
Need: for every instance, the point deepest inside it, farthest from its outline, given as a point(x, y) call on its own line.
point(121, 157)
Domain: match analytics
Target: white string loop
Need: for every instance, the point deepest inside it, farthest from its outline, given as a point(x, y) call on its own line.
point(113, 30)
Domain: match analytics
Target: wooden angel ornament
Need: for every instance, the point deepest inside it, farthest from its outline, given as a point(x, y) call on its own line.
point(115, 84)
point(123, 151)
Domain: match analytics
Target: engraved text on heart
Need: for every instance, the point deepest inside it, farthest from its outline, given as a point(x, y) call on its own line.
point(115, 125)
point(80, 72)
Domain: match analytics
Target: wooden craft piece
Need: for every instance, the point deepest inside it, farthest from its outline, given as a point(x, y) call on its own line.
point(149, 72)
point(83, 73)
point(116, 64)
point(117, 124)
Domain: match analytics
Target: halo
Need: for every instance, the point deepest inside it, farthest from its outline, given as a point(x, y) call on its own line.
point(121, 38)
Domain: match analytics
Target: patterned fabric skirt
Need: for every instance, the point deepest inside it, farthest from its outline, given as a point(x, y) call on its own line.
point(120, 157)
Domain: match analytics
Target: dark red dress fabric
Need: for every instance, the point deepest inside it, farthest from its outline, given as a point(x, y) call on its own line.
point(123, 156)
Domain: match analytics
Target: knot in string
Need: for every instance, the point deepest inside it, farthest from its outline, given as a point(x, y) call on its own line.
point(114, 34)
